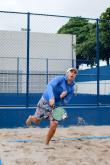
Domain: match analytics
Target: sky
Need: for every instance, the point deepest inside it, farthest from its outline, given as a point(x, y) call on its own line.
point(72, 8)
point(84, 8)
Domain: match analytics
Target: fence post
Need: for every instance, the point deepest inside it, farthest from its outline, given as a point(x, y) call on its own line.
point(97, 59)
point(28, 50)
point(47, 71)
point(17, 75)
point(72, 51)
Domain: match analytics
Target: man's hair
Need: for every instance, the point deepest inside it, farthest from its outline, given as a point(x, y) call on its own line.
point(72, 69)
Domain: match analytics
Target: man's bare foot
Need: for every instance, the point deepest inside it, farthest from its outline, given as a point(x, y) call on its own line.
point(28, 121)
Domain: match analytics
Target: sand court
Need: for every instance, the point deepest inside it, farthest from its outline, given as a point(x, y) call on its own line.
point(25, 146)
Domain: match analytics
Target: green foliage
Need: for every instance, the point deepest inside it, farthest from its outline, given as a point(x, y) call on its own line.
point(85, 37)
point(105, 35)
point(85, 32)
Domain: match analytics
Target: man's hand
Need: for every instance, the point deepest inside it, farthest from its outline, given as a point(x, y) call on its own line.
point(51, 102)
point(63, 94)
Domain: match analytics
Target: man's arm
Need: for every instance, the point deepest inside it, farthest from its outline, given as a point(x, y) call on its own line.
point(51, 95)
point(67, 98)
point(50, 87)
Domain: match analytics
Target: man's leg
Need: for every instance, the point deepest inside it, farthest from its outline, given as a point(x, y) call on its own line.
point(32, 119)
point(51, 132)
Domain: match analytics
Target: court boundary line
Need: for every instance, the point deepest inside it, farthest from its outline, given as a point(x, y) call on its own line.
point(63, 139)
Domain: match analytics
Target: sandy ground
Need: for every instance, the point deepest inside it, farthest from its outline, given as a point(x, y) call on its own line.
point(25, 146)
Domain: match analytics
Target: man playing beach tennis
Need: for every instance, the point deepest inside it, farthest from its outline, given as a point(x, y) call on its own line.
point(60, 88)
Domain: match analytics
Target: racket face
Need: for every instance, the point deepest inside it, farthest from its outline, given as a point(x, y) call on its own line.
point(59, 114)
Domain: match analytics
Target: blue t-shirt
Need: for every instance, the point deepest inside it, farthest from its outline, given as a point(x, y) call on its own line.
point(56, 86)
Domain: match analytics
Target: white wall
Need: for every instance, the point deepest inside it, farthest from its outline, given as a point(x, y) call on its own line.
point(42, 45)
point(90, 87)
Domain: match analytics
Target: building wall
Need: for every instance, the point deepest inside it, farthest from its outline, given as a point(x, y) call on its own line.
point(42, 45)
point(48, 52)
point(87, 81)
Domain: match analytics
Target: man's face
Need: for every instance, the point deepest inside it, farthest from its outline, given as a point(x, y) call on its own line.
point(71, 75)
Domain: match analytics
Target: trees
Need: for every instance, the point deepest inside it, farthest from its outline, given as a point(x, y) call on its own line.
point(85, 38)
point(105, 35)
point(85, 32)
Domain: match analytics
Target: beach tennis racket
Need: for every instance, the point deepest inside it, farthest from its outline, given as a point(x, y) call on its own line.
point(59, 114)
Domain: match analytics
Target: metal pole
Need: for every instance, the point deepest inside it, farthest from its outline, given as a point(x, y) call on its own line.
point(27, 72)
point(47, 71)
point(97, 59)
point(17, 75)
point(72, 51)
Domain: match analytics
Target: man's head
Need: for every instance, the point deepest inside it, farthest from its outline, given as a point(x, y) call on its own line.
point(71, 74)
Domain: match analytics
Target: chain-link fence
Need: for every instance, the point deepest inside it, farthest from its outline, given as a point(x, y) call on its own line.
point(36, 47)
